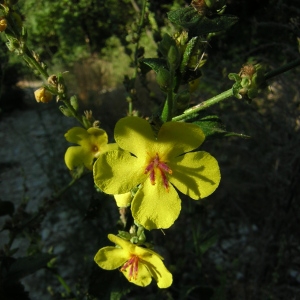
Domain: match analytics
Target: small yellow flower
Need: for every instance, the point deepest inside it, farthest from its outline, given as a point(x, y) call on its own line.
point(3, 24)
point(43, 95)
point(157, 164)
point(91, 143)
point(137, 264)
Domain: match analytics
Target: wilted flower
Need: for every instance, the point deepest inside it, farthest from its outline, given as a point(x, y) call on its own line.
point(43, 95)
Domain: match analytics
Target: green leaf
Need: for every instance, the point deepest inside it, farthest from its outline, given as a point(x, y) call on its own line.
point(6, 208)
point(155, 64)
point(165, 45)
point(197, 24)
point(27, 265)
point(213, 128)
point(188, 52)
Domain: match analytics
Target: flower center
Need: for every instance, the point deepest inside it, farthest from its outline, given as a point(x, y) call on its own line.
point(95, 149)
point(133, 265)
point(162, 167)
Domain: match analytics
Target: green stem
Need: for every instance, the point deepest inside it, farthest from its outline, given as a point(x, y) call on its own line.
point(27, 56)
point(227, 94)
point(72, 110)
point(203, 105)
point(282, 69)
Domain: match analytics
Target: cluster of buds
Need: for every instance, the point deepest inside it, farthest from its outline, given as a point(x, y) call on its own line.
point(247, 81)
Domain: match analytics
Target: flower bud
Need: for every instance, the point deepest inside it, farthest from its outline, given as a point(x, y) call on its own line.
point(163, 78)
point(3, 24)
point(74, 102)
point(65, 111)
point(173, 57)
point(43, 95)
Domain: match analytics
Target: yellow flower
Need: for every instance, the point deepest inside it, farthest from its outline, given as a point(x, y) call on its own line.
point(156, 165)
point(3, 24)
point(137, 264)
point(43, 95)
point(91, 142)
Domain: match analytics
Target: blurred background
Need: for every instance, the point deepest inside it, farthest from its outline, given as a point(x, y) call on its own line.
point(241, 243)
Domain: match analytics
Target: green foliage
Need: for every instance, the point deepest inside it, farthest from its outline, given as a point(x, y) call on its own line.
point(197, 24)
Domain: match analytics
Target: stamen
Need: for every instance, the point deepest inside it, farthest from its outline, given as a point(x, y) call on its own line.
point(163, 169)
point(133, 264)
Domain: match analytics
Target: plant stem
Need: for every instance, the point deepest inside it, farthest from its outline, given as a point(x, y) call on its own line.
point(203, 105)
point(282, 69)
point(227, 94)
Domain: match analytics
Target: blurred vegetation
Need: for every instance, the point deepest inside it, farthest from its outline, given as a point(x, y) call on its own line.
point(242, 242)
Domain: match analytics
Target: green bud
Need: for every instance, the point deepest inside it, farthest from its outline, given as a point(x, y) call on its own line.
point(86, 122)
point(173, 57)
point(183, 99)
point(163, 78)
point(74, 102)
point(65, 111)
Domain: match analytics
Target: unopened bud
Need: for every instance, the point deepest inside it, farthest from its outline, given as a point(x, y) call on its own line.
point(74, 102)
point(3, 24)
point(65, 111)
point(173, 57)
point(163, 78)
point(43, 95)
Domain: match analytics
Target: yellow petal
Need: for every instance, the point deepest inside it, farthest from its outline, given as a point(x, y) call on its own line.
point(135, 135)
point(143, 276)
point(76, 135)
point(117, 172)
point(76, 156)
point(195, 174)
point(110, 258)
point(180, 137)
point(158, 271)
point(127, 246)
point(123, 200)
point(153, 207)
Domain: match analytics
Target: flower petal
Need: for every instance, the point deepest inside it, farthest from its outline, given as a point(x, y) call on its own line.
point(135, 135)
point(123, 200)
point(195, 174)
point(154, 207)
point(180, 137)
point(110, 258)
point(117, 172)
point(76, 134)
point(158, 271)
point(76, 156)
point(143, 277)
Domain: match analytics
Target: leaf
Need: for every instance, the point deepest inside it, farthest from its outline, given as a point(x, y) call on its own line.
point(155, 64)
point(198, 24)
point(188, 52)
point(213, 128)
point(6, 208)
point(165, 45)
point(25, 266)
